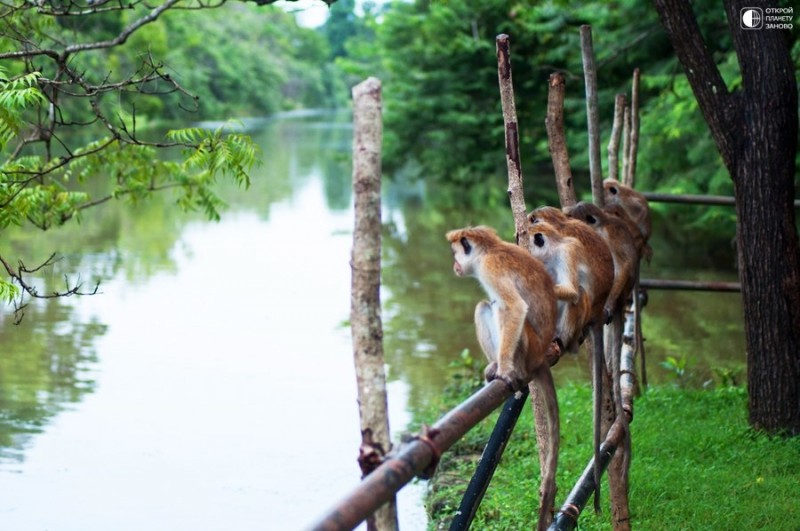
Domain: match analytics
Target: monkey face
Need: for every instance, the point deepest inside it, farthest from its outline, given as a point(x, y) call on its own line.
point(545, 240)
point(588, 213)
point(462, 259)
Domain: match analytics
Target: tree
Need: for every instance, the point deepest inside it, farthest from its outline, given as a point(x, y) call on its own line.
point(70, 134)
point(755, 129)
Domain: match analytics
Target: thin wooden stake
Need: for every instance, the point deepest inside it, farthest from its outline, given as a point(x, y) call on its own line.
point(592, 114)
point(626, 140)
point(515, 189)
point(616, 134)
point(630, 176)
point(365, 316)
point(556, 140)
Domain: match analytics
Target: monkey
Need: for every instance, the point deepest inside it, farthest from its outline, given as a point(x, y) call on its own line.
point(621, 243)
point(642, 249)
point(565, 259)
point(522, 309)
point(597, 277)
point(635, 205)
point(515, 329)
point(597, 281)
point(633, 202)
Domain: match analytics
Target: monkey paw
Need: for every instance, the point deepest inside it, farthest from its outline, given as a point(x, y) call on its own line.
point(553, 353)
point(512, 379)
point(490, 372)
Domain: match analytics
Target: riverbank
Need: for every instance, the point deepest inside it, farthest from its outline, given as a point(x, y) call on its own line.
point(696, 465)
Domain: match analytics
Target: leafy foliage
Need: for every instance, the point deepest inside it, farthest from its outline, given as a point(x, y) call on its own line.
point(81, 81)
point(443, 118)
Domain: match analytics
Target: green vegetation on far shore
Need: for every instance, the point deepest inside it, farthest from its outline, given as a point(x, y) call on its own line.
point(696, 465)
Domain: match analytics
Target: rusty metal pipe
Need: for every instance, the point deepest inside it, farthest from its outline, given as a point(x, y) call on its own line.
point(691, 199)
point(690, 285)
point(412, 459)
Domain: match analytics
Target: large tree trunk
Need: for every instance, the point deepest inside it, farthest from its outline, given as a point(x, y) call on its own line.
point(755, 130)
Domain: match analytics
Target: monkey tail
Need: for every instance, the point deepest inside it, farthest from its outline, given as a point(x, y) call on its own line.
point(544, 398)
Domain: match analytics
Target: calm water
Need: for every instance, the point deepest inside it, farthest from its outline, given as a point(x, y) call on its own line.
point(210, 385)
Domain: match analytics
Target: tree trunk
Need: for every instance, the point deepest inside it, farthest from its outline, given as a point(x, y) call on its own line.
point(755, 130)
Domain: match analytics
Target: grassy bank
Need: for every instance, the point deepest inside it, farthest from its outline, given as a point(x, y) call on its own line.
point(696, 465)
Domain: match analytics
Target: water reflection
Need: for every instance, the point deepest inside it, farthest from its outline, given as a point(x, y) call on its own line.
point(46, 366)
point(222, 387)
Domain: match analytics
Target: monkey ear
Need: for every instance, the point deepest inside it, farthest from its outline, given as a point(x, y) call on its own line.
point(466, 245)
point(538, 239)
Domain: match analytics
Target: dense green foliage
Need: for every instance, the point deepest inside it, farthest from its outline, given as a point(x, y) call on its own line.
point(696, 465)
point(443, 118)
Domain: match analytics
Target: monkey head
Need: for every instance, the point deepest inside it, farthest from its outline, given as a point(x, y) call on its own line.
point(548, 214)
point(468, 245)
point(589, 213)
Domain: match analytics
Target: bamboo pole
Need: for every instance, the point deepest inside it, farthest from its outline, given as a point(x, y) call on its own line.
point(556, 140)
point(365, 319)
point(592, 114)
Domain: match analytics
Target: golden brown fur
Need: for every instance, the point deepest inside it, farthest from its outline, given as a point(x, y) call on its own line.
point(598, 278)
point(565, 258)
point(621, 243)
point(515, 328)
point(633, 202)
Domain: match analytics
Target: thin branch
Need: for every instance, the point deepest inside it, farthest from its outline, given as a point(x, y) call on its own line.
point(18, 275)
point(123, 36)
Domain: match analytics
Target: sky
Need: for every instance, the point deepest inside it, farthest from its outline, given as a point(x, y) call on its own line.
point(309, 13)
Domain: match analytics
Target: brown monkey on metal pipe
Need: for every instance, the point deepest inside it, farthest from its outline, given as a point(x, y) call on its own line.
point(515, 327)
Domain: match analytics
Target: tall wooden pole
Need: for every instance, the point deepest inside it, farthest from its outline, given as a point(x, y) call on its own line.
point(592, 114)
point(365, 308)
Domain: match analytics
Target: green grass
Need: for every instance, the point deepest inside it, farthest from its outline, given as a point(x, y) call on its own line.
point(696, 465)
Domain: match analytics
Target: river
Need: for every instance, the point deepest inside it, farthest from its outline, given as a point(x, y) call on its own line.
point(210, 384)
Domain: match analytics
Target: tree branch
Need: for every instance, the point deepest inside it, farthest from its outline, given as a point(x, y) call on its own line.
point(716, 103)
point(18, 275)
point(123, 36)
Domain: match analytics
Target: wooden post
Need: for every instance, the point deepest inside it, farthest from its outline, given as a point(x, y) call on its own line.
point(630, 176)
point(365, 316)
point(556, 140)
point(515, 190)
point(616, 134)
point(517, 197)
point(592, 114)
point(626, 140)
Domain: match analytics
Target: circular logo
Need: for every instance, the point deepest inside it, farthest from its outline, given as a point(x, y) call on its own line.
point(751, 18)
